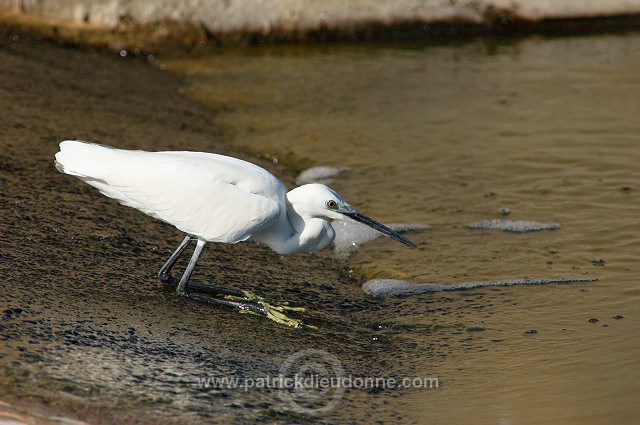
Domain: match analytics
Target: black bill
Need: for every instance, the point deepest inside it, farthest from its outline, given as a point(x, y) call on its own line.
point(361, 218)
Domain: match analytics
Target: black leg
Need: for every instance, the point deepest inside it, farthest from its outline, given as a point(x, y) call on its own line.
point(165, 275)
point(184, 280)
point(165, 272)
point(215, 290)
point(241, 300)
point(206, 299)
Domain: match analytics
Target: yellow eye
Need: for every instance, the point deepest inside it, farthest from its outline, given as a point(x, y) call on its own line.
point(332, 204)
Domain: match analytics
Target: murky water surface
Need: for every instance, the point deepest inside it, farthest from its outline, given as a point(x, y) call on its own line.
point(449, 135)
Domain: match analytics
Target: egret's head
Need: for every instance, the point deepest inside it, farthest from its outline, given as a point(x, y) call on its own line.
point(319, 201)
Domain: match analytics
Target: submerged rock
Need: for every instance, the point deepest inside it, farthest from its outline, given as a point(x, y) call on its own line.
point(349, 235)
point(401, 288)
point(321, 174)
point(517, 226)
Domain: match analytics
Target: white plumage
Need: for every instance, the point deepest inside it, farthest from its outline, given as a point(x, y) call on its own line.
point(212, 198)
point(202, 194)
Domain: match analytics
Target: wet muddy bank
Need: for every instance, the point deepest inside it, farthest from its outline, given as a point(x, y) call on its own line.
point(87, 331)
point(86, 328)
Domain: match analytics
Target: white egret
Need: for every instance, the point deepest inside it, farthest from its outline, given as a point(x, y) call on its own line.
point(213, 198)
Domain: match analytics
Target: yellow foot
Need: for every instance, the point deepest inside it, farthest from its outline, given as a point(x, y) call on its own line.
point(273, 312)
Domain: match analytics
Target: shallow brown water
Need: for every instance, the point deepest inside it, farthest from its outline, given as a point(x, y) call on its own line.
point(448, 135)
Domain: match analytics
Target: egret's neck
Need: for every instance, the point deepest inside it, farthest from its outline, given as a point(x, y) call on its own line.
point(297, 218)
point(297, 230)
point(311, 233)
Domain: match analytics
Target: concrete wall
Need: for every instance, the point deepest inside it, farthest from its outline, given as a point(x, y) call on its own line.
point(265, 16)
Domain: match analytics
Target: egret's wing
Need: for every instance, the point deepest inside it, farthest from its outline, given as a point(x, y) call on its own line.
point(218, 198)
point(194, 202)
